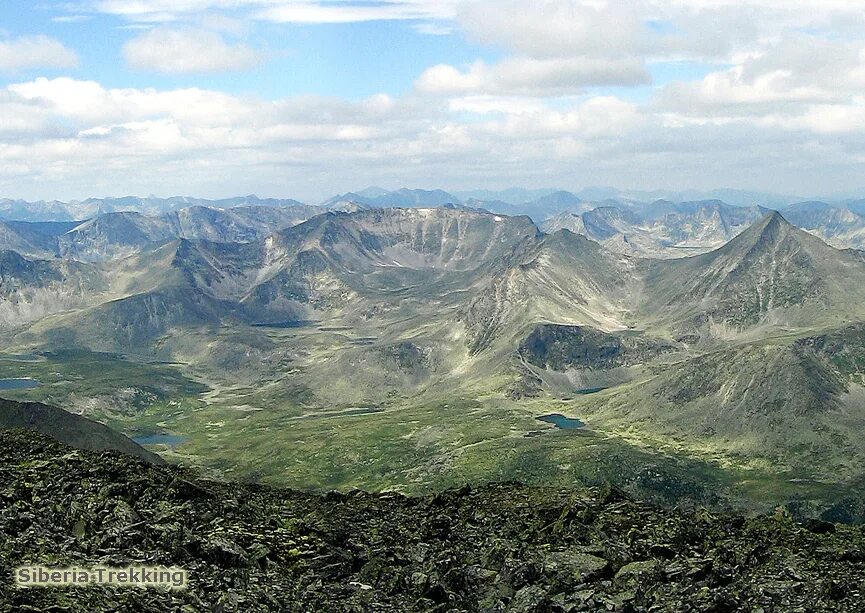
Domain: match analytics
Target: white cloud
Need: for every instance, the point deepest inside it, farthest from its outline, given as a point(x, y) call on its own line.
point(35, 52)
point(434, 28)
point(70, 18)
point(76, 138)
point(88, 104)
point(598, 118)
point(130, 121)
point(730, 93)
point(766, 94)
point(146, 9)
point(538, 77)
point(282, 11)
point(827, 119)
point(79, 133)
point(345, 12)
point(796, 82)
point(651, 29)
point(484, 104)
point(555, 28)
point(563, 46)
point(187, 51)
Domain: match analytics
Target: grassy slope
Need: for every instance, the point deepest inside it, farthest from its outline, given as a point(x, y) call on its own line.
point(414, 444)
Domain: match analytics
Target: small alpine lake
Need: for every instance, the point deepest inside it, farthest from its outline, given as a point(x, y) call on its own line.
point(562, 422)
point(22, 383)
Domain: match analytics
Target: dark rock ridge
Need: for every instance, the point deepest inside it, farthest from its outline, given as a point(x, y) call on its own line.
point(70, 429)
point(560, 347)
point(501, 547)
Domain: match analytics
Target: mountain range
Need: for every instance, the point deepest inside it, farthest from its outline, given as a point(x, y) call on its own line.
point(54, 210)
point(752, 349)
point(407, 347)
point(114, 228)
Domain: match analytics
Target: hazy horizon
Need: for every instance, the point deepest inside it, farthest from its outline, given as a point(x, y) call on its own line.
point(760, 197)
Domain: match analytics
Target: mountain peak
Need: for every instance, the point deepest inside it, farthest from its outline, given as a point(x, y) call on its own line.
point(768, 231)
point(773, 226)
point(775, 217)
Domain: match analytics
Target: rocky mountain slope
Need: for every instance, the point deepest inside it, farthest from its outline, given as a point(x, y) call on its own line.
point(403, 198)
point(116, 235)
point(35, 239)
point(772, 273)
point(661, 229)
point(501, 547)
point(497, 273)
point(665, 229)
point(335, 262)
point(32, 289)
point(841, 226)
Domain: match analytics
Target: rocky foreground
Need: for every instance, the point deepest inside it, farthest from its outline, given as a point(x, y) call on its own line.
point(500, 547)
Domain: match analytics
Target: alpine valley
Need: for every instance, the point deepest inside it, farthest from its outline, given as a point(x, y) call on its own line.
point(685, 351)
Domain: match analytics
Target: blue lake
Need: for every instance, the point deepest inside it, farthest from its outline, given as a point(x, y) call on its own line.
point(560, 421)
point(18, 384)
point(172, 440)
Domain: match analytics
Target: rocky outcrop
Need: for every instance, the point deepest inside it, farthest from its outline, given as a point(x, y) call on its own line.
point(501, 547)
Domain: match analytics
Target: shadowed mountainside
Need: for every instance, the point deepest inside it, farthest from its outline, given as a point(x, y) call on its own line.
point(69, 428)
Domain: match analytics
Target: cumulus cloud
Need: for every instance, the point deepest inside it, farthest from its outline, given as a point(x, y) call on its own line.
point(101, 135)
point(651, 29)
point(75, 138)
point(797, 82)
point(555, 28)
point(562, 46)
point(537, 77)
point(187, 51)
point(733, 93)
point(35, 52)
point(75, 132)
point(764, 93)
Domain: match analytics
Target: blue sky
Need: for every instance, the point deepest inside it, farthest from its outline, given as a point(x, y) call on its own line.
point(351, 60)
point(307, 98)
